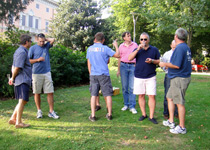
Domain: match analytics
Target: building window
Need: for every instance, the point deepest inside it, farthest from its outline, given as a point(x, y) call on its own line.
point(31, 21)
point(46, 26)
point(47, 9)
point(37, 6)
point(23, 20)
point(37, 23)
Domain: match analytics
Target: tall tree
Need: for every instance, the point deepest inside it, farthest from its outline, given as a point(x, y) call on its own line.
point(11, 8)
point(75, 23)
point(122, 10)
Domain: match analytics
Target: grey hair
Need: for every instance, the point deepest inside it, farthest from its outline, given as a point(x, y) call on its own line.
point(144, 33)
point(181, 34)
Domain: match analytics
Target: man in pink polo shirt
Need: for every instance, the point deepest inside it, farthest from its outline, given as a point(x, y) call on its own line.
point(126, 71)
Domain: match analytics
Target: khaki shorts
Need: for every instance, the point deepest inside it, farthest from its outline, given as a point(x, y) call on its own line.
point(42, 81)
point(144, 86)
point(177, 89)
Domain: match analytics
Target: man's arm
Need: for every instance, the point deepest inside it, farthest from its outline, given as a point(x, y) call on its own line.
point(153, 61)
point(32, 61)
point(89, 66)
point(169, 65)
point(117, 54)
point(51, 40)
point(133, 54)
point(15, 71)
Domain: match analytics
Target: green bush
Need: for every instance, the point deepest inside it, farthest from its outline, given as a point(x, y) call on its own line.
point(68, 67)
point(6, 58)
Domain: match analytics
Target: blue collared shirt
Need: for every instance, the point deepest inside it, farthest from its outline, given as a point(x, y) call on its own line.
point(21, 60)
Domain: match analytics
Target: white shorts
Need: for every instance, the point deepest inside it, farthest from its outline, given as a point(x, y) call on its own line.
point(42, 81)
point(145, 86)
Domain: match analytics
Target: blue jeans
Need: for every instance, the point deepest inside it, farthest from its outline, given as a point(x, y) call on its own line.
point(166, 86)
point(127, 80)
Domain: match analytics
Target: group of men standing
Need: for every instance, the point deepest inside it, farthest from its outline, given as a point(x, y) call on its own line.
point(136, 66)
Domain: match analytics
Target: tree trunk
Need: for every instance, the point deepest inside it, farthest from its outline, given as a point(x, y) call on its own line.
point(189, 38)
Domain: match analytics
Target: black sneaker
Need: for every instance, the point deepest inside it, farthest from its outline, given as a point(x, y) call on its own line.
point(142, 118)
point(93, 119)
point(153, 120)
point(98, 108)
point(108, 117)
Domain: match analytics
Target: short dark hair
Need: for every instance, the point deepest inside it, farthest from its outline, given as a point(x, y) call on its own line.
point(124, 34)
point(99, 37)
point(41, 35)
point(24, 38)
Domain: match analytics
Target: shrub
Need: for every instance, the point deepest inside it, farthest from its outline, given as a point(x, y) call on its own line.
point(6, 58)
point(68, 67)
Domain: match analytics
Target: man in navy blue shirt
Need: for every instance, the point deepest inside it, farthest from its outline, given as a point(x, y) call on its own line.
point(147, 57)
point(179, 72)
point(41, 75)
point(21, 78)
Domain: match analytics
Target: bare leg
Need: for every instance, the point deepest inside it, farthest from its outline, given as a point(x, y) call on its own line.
point(37, 101)
point(50, 101)
point(97, 101)
point(14, 115)
point(108, 100)
point(93, 105)
point(181, 111)
point(20, 108)
point(151, 104)
point(142, 104)
point(171, 108)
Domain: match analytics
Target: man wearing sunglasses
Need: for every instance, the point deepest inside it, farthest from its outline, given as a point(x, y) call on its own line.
point(41, 75)
point(147, 57)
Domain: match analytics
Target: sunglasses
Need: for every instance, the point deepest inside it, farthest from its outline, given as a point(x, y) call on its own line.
point(143, 39)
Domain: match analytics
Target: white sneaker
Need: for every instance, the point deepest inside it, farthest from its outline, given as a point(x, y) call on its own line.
point(39, 114)
point(133, 110)
point(169, 124)
point(124, 108)
point(53, 115)
point(178, 130)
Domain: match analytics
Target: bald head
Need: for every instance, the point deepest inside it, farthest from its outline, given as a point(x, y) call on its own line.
point(173, 45)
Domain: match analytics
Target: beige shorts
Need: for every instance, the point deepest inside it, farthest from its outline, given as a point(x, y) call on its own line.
point(42, 81)
point(177, 89)
point(144, 86)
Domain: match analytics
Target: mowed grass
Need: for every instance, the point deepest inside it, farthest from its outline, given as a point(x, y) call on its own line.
point(74, 131)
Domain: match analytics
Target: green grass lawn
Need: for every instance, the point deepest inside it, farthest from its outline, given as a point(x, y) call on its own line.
point(74, 131)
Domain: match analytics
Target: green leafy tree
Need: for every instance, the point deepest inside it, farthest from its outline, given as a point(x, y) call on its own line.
point(168, 15)
point(12, 8)
point(75, 23)
point(122, 10)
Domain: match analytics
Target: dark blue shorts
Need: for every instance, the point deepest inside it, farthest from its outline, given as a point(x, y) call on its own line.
point(22, 92)
point(102, 82)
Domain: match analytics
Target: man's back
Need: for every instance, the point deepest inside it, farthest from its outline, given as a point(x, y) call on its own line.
point(98, 55)
point(182, 58)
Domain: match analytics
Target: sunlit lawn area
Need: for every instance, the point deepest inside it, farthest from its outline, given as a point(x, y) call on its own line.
point(74, 131)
